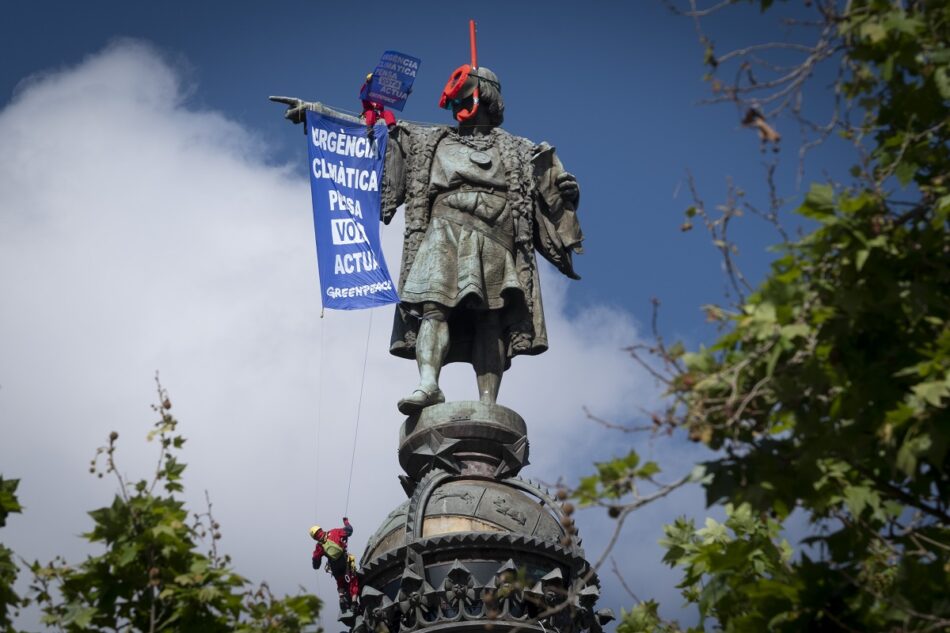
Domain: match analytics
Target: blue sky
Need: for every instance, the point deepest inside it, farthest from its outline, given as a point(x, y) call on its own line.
point(154, 214)
point(613, 85)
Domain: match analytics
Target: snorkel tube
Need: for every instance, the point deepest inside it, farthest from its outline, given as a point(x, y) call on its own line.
point(460, 77)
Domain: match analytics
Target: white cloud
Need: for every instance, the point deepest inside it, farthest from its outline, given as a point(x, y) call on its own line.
point(138, 234)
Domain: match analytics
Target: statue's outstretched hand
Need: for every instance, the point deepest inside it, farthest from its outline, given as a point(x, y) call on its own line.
point(296, 108)
point(567, 185)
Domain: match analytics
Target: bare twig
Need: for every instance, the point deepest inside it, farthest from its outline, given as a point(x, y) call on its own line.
point(625, 511)
point(718, 229)
point(695, 12)
point(623, 581)
point(625, 428)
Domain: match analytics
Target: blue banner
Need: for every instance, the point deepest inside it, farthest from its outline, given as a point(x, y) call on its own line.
point(346, 170)
point(392, 80)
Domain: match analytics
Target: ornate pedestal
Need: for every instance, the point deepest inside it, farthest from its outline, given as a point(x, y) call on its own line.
point(475, 544)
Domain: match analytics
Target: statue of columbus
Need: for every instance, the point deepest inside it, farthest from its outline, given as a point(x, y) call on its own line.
point(479, 202)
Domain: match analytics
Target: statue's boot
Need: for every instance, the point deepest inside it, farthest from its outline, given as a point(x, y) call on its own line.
point(419, 399)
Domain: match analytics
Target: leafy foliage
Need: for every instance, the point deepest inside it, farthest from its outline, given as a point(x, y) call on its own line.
point(9, 600)
point(615, 479)
point(152, 576)
point(744, 558)
point(645, 618)
point(827, 390)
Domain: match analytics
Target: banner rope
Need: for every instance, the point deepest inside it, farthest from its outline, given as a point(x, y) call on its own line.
point(359, 407)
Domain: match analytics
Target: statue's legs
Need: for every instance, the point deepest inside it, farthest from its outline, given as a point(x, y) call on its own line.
point(488, 356)
point(432, 346)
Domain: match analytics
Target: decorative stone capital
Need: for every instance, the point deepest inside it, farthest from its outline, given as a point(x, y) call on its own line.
point(475, 546)
point(466, 438)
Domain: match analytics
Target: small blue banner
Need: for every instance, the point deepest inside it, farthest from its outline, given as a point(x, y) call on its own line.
point(346, 170)
point(392, 80)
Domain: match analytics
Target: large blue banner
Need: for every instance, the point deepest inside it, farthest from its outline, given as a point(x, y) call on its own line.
point(346, 170)
point(392, 79)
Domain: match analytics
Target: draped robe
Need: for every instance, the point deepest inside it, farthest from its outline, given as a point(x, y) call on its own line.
point(542, 220)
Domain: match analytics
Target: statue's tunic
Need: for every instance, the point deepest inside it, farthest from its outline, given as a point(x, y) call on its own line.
point(475, 212)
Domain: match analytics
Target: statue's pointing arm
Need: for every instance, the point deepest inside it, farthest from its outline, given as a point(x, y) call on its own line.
point(394, 172)
point(297, 110)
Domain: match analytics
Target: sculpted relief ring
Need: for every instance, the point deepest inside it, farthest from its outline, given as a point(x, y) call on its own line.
point(481, 159)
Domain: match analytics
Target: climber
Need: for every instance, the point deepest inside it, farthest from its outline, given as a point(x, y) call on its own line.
point(371, 109)
point(332, 544)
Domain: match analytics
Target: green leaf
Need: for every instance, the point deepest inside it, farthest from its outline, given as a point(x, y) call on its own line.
point(79, 616)
point(127, 554)
point(207, 594)
point(873, 31)
point(9, 504)
point(713, 532)
point(676, 349)
point(648, 470)
point(932, 392)
point(942, 79)
point(857, 498)
point(860, 258)
point(819, 202)
point(910, 451)
point(774, 355)
point(899, 21)
point(905, 172)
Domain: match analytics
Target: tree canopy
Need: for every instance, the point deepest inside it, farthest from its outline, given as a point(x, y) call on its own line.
point(824, 392)
point(159, 569)
point(826, 389)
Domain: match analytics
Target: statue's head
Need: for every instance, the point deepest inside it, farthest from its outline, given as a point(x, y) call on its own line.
point(459, 94)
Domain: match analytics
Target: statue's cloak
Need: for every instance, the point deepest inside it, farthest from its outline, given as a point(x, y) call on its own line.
point(543, 220)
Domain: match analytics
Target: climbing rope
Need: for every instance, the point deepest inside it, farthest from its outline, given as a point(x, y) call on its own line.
point(320, 363)
point(359, 407)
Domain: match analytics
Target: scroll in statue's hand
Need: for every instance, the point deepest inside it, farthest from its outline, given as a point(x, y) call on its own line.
point(567, 185)
point(296, 108)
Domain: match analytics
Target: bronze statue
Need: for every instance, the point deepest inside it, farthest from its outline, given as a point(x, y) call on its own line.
point(478, 203)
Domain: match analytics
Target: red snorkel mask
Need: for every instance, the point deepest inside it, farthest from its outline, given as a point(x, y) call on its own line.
point(457, 82)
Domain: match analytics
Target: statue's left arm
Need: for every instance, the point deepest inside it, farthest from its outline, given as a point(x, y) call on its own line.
point(558, 232)
point(567, 184)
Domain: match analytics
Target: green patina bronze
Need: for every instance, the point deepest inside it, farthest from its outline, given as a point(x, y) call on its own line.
point(479, 204)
